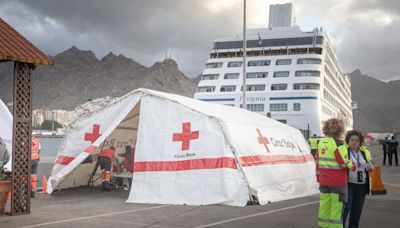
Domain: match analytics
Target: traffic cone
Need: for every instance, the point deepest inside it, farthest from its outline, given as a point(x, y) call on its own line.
point(377, 187)
point(44, 184)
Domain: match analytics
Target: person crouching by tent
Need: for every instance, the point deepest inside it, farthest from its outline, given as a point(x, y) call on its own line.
point(129, 157)
point(332, 167)
point(105, 159)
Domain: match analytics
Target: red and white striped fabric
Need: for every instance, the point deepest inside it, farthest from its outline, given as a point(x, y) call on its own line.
point(191, 152)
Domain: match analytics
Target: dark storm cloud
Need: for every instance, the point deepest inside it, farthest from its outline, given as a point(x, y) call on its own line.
point(143, 30)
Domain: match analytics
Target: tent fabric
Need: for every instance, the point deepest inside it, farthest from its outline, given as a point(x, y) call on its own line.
point(6, 131)
point(190, 152)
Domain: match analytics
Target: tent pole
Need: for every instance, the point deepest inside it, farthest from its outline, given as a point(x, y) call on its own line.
point(95, 167)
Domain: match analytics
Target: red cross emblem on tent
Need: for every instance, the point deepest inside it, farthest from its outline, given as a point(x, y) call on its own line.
point(94, 135)
point(263, 140)
point(185, 136)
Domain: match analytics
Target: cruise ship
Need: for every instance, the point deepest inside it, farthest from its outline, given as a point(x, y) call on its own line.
point(292, 75)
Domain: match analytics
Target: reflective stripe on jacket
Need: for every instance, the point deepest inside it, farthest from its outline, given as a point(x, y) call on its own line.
point(332, 163)
point(35, 149)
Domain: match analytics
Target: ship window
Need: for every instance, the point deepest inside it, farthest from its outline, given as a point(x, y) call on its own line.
point(304, 86)
point(296, 107)
point(327, 111)
point(234, 64)
point(228, 88)
point(255, 107)
point(305, 73)
point(231, 76)
point(254, 88)
point(206, 89)
point(309, 61)
point(315, 51)
point(259, 63)
point(209, 77)
point(269, 42)
point(280, 107)
point(278, 86)
point(257, 75)
point(280, 74)
point(213, 65)
point(283, 62)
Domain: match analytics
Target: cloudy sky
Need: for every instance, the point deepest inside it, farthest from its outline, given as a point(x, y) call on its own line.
point(365, 33)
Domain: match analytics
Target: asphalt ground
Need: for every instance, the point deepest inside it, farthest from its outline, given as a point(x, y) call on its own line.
point(90, 207)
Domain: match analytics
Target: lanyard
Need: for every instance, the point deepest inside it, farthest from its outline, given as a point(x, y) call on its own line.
point(357, 158)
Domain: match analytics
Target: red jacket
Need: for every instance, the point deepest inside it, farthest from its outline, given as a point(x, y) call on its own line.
point(108, 153)
point(332, 163)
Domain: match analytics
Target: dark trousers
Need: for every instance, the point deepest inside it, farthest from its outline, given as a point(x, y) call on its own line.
point(34, 166)
point(314, 152)
point(385, 154)
point(356, 194)
point(34, 179)
point(105, 163)
point(396, 159)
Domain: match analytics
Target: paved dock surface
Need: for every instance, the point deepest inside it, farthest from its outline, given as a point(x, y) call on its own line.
point(90, 207)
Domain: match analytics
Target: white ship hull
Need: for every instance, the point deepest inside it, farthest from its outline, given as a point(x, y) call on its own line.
point(315, 90)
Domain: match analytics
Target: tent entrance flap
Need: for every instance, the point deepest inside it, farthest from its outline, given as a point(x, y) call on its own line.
point(123, 139)
point(125, 133)
point(122, 136)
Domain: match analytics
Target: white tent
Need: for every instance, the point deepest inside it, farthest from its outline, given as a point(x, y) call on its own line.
point(6, 130)
point(190, 152)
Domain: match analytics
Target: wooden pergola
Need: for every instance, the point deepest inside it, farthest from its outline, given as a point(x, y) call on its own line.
point(14, 47)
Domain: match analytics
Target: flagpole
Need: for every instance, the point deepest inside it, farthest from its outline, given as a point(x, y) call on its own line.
point(244, 106)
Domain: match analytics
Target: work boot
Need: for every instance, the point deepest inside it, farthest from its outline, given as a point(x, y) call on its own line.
point(106, 186)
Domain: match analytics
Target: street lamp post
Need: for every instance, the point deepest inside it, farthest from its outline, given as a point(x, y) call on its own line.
point(244, 64)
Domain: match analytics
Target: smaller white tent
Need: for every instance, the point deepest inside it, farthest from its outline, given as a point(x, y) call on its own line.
point(190, 152)
point(6, 131)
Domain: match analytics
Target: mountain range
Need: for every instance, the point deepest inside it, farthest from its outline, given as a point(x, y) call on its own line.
point(378, 103)
point(77, 76)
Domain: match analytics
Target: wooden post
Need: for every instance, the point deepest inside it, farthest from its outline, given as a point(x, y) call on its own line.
point(22, 138)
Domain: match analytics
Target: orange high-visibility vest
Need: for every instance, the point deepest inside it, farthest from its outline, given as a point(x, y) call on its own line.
point(107, 153)
point(35, 149)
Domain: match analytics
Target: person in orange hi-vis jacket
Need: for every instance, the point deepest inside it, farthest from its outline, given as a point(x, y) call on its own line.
point(35, 156)
point(105, 159)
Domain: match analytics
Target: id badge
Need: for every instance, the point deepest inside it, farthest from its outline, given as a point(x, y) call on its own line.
point(360, 177)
